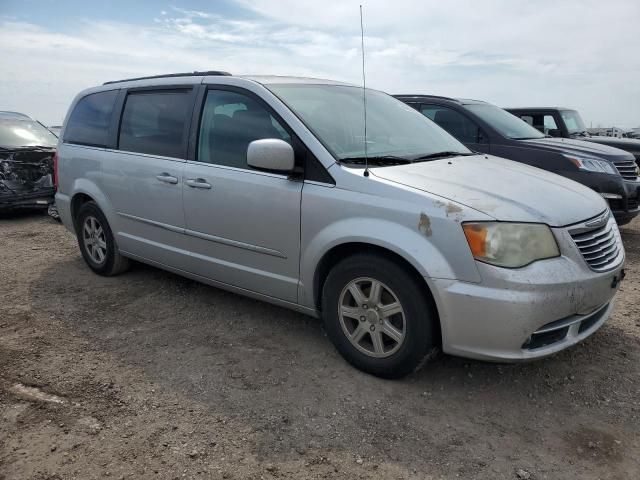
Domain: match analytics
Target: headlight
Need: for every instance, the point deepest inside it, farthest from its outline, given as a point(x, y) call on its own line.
point(510, 245)
point(591, 164)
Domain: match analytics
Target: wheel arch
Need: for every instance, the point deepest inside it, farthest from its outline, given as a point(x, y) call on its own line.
point(341, 251)
point(84, 191)
point(77, 201)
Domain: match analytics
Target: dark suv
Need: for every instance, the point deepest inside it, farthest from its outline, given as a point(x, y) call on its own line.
point(567, 123)
point(27, 149)
point(486, 128)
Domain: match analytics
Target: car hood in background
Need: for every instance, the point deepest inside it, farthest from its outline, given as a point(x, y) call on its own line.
point(628, 144)
point(579, 147)
point(26, 171)
point(502, 189)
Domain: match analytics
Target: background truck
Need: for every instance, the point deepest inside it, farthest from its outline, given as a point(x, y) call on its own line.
point(567, 123)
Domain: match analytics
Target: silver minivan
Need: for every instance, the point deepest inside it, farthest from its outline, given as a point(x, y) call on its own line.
point(398, 236)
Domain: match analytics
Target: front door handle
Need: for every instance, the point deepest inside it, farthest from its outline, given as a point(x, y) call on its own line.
point(166, 178)
point(198, 183)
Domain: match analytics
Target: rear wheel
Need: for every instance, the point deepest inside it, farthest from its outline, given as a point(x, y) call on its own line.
point(97, 243)
point(378, 316)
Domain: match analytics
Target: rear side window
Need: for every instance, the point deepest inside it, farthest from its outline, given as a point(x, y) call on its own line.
point(89, 121)
point(154, 123)
point(453, 122)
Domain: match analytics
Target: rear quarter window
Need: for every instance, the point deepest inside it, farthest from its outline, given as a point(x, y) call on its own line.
point(154, 122)
point(89, 122)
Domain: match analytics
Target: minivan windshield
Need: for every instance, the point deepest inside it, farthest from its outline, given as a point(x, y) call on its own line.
point(573, 122)
point(396, 132)
point(20, 133)
point(506, 124)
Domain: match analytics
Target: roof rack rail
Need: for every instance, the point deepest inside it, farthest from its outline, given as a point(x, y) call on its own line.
point(407, 95)
point(170, 75)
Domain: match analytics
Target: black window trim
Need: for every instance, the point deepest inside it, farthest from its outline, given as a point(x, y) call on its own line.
point(116, 123)
point(302, 153)
point(111, 119)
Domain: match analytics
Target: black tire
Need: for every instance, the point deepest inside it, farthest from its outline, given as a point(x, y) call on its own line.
point(421, 329)
point(113, 263)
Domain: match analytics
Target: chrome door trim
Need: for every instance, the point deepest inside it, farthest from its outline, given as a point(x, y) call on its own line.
point(205, 236)
point(235, 243)
point(166, 226)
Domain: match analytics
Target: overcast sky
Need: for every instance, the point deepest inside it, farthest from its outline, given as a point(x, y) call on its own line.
point(575, 53)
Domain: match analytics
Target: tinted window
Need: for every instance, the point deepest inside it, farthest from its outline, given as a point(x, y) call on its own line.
point(230, 121)
point(453, 122)
point(89, 121)
point(154, 123)
point(505, 123)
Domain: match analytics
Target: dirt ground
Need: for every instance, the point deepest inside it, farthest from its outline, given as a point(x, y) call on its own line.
point(150, 375)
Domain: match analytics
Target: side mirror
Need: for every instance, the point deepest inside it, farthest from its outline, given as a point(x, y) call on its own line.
point(554, 132)
point(271, 154)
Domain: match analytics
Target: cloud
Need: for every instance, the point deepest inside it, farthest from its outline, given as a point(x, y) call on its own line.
point(578, 53)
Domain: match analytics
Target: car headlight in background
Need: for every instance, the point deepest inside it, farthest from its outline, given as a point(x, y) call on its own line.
point(591, 164)
point(510, 245)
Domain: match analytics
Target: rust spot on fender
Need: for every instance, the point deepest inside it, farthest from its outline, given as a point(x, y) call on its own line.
point(452, 208)
point(424, 225)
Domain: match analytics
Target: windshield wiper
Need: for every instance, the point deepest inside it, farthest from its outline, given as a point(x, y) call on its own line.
point(376, 160)
point(445, 154)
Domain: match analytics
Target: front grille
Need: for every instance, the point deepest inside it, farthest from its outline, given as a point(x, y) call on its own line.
point(616, 204)
point(599, 246)
point(627, 169)
point(632, 203)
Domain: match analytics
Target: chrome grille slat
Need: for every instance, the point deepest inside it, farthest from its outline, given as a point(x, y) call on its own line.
point(605, 253)
point(627, 169)
point(602, 262)
point(595, 237)
point(599, 246)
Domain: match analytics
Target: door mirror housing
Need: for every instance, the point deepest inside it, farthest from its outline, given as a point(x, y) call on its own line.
point(271, 154)
point(554, 132)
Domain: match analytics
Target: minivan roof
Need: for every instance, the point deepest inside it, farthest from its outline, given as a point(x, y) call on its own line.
point(461, 101)
point(264, 79)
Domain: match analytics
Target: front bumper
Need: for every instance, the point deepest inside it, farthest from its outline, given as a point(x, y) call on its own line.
point(529, 312)
point(622, 195)
point(37, 199)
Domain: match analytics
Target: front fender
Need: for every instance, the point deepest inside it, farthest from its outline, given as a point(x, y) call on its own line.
point(433, 253)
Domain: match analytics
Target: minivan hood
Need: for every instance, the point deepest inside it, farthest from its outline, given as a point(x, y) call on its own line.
point(578, 147)
point(502, 189)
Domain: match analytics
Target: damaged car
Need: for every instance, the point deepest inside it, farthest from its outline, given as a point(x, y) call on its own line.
point(398, 236)
point(27, 152)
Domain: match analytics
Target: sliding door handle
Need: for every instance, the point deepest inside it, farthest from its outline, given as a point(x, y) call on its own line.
point(166, 178)
point(198, 183)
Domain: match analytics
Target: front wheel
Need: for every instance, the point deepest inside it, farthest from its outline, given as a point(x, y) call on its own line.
point(378, 316)
point(96, 241)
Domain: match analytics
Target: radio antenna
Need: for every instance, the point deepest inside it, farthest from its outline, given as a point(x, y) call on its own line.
point(364, 98)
